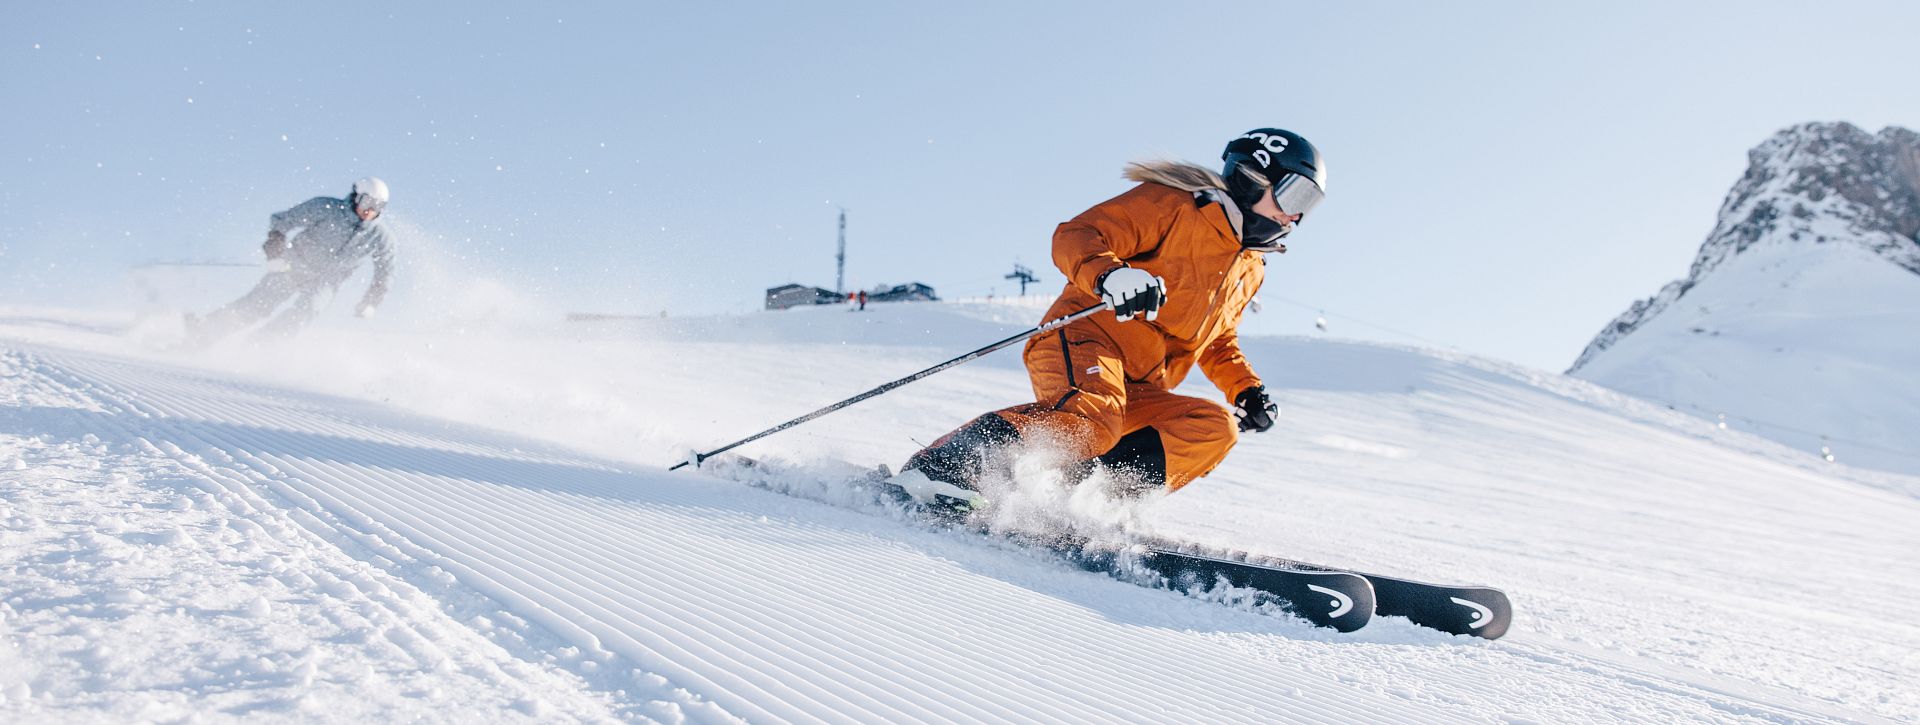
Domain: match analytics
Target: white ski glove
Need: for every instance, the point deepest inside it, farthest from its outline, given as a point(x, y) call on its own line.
point(1133, 292)
point(278, 265)
point(364, 311)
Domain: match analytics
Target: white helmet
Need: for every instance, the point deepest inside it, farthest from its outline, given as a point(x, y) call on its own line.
point(369, 193)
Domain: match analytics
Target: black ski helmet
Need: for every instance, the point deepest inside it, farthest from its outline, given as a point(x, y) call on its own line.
point(1280, 158)
point(1273, 152)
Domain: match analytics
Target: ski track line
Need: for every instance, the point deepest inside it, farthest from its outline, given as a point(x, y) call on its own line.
point(159, 409)
point(551, 618)
point(599, 608)
point(239, 495)
point(392, 615)
point(235, 495)
point(604, 565)
point(593, 520)
point(528, 572)
point(158, 417)
point(488, 583)
point(1251, 683)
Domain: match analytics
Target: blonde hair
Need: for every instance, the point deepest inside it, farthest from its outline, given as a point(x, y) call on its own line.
point(1177, 174)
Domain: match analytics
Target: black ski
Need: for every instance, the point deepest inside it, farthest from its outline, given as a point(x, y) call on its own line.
point(1341, 599)
point(1478, 611)
point(1455, 609)
point(1452, 608)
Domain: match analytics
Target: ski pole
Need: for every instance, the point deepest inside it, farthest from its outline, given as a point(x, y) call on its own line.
point(1043, 328)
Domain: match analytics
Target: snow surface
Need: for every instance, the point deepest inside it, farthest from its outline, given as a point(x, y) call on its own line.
point(1810, 345)
point(473, 523)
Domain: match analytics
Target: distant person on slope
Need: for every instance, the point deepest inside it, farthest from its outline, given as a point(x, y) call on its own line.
point(331, 236)
point(1178, 257)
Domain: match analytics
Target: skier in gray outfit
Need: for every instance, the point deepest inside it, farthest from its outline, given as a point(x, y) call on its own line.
point(333, 236)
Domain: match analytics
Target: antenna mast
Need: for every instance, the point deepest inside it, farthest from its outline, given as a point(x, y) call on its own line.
point(840, 260)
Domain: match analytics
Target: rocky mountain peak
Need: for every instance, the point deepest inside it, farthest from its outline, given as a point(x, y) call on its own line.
point(1870, 182)
point(1815, 183)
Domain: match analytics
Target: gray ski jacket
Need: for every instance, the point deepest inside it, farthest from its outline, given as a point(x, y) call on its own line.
point(331, 243)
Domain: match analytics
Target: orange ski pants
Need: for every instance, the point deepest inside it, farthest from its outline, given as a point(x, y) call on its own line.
point(1083, 400)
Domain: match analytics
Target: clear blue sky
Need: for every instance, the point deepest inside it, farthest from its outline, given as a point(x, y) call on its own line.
point(1505, 178)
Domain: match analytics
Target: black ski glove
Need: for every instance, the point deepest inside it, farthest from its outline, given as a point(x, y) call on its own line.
point(276, 246)
point(1254, 409)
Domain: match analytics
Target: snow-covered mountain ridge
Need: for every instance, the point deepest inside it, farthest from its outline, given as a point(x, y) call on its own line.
point(1796, 318)
point(1814, 171)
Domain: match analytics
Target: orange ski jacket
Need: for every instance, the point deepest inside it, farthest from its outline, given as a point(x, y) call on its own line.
point(1186, 239)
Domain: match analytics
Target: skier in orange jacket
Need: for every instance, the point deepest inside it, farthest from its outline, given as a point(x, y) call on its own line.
point(1178, 257)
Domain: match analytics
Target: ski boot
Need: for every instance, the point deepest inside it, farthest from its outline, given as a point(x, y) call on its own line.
point(945, 476)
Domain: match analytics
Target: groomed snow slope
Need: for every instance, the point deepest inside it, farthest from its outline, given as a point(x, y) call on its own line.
point(1808, 344)
point(474, 524)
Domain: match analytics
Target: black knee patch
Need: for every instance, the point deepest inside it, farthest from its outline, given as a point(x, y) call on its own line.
point(1138, 462)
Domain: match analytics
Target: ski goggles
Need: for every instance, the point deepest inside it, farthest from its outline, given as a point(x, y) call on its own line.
point(362, 202)
point(1297, 194)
